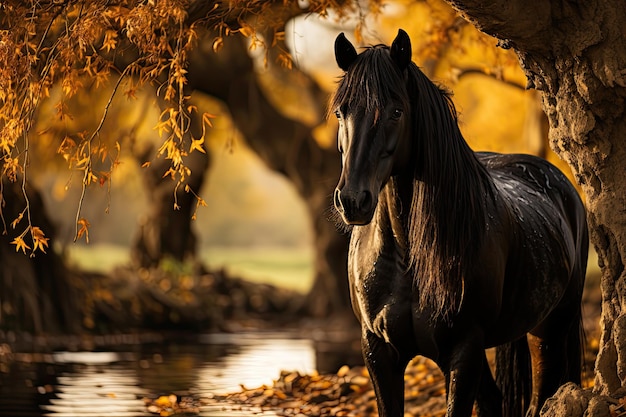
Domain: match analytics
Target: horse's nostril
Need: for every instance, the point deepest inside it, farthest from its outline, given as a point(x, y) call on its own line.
point(365, 200)
point(337, 200)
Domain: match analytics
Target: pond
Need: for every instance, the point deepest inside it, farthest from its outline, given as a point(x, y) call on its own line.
point(114, 381)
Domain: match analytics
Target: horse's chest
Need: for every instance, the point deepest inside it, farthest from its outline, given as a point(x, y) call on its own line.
point(380, 289)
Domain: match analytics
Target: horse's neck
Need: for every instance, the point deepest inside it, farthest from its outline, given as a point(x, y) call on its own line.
point(394, 209)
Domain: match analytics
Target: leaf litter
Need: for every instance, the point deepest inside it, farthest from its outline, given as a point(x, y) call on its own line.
point(346, 393)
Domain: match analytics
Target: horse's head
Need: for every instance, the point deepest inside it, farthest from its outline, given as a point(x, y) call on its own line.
point(372, 106)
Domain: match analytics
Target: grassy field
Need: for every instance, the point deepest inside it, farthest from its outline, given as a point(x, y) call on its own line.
point(286, 267)
point(97, 257)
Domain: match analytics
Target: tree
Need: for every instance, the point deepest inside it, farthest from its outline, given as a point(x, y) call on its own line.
point(574, 53)
point(286, 146)
point(35, 296)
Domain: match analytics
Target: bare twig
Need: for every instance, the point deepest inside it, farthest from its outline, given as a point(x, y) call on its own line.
point(93, 135)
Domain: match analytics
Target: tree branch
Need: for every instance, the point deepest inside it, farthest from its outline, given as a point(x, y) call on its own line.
point(517, 23)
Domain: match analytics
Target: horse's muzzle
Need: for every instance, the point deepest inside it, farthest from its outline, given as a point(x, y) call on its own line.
point(356, 207)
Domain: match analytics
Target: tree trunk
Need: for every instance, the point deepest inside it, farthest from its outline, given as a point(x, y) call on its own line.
point(166, 231)
point(35, 292)
point(575, 54)
point(286, 146)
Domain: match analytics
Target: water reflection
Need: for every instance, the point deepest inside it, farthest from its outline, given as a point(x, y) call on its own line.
point(114, 383)
point(98, 390)
point(258, 362)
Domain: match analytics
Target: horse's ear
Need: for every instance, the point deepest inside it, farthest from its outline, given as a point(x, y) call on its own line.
point(345, 54)
point(401, 50)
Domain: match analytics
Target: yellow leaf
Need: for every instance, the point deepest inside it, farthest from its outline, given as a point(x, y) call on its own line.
point(170, 172)
point(62, 110)
point(170, 93)
point(130, 93)
point(196, 144)
point(109, 40)
point(83, 229)
point(20, 244)
point(103, 151)
point(218, 43)
point(17, 220)
point(91, 177)
point(83, 162)
point(39, 239)
point(252, 47)
point(66, 146)
point(206, 119)
point(246, 30)
point(285, 60)
point(163, 401)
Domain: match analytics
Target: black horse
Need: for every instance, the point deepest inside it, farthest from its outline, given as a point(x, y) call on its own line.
point(452, 251)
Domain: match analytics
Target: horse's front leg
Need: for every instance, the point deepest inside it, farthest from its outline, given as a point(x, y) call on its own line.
point(386, 369)
point(462, 367)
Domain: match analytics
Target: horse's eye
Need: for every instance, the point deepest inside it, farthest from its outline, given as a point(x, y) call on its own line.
point(397, 113)
point(337, 114)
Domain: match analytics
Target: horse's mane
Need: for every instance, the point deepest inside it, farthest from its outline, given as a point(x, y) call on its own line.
point(450, 191)
point(451, 188)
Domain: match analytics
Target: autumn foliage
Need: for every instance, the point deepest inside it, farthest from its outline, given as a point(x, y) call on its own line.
point(51, 50)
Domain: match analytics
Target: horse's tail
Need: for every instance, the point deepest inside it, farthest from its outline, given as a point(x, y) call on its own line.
point(514, 371)
point(576, 342)
point(514, 377)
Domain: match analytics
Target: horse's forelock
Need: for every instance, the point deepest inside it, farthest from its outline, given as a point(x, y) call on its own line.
point(371, 82)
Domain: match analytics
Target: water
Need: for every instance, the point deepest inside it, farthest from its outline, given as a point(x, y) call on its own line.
point(114, 382)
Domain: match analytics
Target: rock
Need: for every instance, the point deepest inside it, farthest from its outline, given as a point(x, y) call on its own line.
point(599, 406)
point(569, 401)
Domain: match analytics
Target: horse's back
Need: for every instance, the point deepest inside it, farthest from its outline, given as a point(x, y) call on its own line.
point(523, 177)
point(534, 171)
